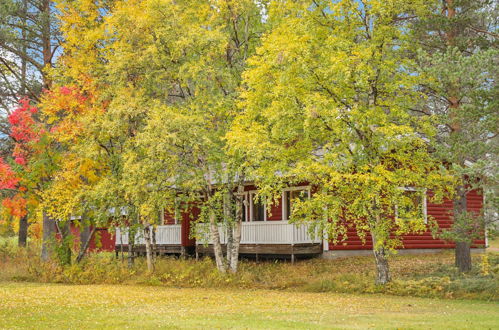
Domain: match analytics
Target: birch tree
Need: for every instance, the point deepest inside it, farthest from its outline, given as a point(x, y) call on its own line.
point(188, 75)
point(327, 102)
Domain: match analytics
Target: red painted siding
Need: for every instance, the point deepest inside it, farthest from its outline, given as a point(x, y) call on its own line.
point(187, 219)
point(442, 213)
point(168, 218)
point(102, 240)
point(275, 211)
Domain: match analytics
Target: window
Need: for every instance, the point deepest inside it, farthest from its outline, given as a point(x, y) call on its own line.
point(289, 196)
point(257, 208)
point(414, 204)
point(173, 216)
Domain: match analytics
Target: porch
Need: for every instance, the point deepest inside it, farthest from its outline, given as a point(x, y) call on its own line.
point(168, 240)
point(258, 238)
point(266, 238)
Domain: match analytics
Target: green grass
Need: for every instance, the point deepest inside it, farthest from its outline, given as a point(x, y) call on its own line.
point(39, 306)
point(428, 276)
point(494, 244)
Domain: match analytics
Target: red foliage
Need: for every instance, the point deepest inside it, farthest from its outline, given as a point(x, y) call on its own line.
point(69, 94)
point(15, 205)
point(65, 90)
point(24, 130)
point(8, 178)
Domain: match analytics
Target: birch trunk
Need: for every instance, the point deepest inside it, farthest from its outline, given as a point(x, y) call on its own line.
point(131, 243)
point(382, 268)
point(154, 245)
point(230, 242)
point(121, 245)
point(234, 252)
point(380, 257)
point(217, 246)
point(230, 226)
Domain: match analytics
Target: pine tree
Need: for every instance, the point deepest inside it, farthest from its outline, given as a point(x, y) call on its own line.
point(458, 56)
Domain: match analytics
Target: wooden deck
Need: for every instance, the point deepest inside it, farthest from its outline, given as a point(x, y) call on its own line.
point(250, 250)
point(285, 250)
point(161, 249)
point(269, 238)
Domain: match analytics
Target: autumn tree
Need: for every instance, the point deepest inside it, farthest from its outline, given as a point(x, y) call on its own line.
point(29, 163)
point(458, 55)
point(327, 102)
point(70, 111)
point(184, 86)
point(29, 41)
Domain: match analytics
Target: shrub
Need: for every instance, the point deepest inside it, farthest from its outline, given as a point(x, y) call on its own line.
point(418, 276)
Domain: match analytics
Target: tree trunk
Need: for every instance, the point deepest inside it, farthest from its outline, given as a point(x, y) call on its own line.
point(121, 245)
point(131, 243)
point(234, 252)
point(84, 234)
point(463, 256)
point(154, 245)
point(217, 246)
point(230, 234)
point(85, 238)
point(463, 247)
point(230, 243)
point(24, 50)
point(64, 251)
point(147, 238)
point(380, 257)
point(23, 231)
point(382, 268)
point(46, 41)
point(48, 237)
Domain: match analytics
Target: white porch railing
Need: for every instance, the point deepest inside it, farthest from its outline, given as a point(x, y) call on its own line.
point(265, 232)
point(167, 235)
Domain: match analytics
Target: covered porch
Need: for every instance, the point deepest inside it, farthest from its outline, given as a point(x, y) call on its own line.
point(266, 238)
point(167, 240)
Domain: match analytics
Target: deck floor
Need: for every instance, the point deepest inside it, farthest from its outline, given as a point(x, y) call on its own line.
point(160, 249)
point(244, 249)
point(268, 249)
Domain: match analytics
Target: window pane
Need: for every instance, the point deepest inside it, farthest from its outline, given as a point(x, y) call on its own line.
point(287, 204)
point(290, 197)
point(257, 209)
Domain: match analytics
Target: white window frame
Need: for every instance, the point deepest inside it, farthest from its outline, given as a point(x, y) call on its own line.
point(246, 205)
point(251, 195)
point(423, 201)
point(176, 215)
point(285, 215)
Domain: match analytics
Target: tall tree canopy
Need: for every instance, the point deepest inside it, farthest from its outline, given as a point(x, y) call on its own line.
point(458, 42)
point(163, 79)
point(327, 102)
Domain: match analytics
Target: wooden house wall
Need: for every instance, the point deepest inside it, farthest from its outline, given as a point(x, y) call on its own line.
point(441, 213)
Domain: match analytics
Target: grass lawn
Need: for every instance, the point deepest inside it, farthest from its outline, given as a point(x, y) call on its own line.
point(494, 245)
point(31, 305)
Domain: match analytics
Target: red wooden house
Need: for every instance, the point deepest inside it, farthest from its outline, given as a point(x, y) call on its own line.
point(266, 230)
